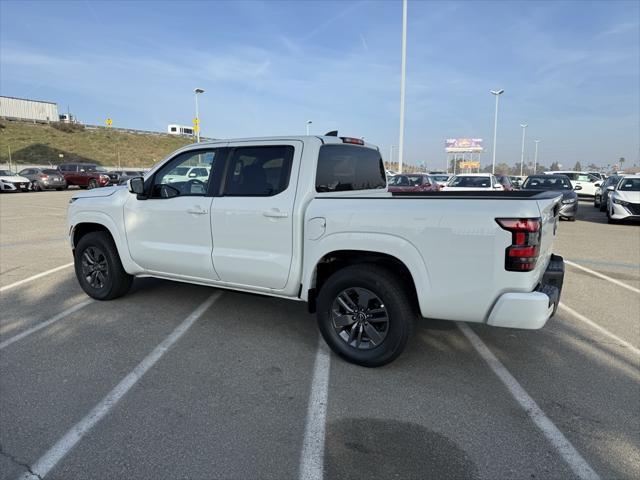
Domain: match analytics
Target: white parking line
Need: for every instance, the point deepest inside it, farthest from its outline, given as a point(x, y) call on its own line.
point(45, 324)
point(604, 277)
point(593, 324)
point(312, 456)
point(35, 277)
point(75, 434)
point(578, 464)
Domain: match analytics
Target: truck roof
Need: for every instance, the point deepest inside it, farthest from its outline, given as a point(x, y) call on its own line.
point(323, 138)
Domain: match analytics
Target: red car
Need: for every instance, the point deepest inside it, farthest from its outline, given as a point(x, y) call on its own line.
point(86, 175)
point(412, 182)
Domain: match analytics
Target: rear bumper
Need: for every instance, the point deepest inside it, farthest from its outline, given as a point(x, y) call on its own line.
point(531, 310)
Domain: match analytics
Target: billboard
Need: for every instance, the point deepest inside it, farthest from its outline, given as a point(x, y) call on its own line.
point(468, 165)
point(463, 145)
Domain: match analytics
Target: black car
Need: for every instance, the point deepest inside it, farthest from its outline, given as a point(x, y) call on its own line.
point(601, 197)
point(560, 183)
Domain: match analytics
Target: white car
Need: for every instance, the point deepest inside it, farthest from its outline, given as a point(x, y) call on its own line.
point(473, 182)
point(440, 178)
point(310, 219)
point(184, 174)
point(585, 184)
point(624, 199)
point(10, 182)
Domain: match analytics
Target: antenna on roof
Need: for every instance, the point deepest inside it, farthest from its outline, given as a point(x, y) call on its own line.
point(332, 133)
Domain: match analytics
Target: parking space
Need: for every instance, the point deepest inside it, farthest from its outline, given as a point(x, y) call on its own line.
point(139, 387)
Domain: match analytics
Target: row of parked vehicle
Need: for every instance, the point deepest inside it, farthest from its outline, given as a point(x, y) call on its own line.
point(83, 175)
point(590, 185)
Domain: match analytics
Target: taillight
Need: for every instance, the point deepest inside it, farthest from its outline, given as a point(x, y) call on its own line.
point(355, 141)
point(522, 254)
point(43, 175)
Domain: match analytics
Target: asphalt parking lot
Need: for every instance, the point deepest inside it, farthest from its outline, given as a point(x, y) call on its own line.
point(143, 387)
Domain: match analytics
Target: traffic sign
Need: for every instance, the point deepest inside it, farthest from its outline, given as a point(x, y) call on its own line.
point(109, 122)
point(196, 121)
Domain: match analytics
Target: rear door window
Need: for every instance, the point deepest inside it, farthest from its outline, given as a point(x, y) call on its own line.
point(349, 167)
point(259, 171)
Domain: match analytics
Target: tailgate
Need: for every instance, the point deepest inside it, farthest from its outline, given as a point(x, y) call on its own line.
point(549, 215)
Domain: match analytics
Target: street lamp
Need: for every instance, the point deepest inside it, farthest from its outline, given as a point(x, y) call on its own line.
point(308, 123)
point(497, 94)
point(403, 78)
point(197, 122)
point(524, 128)
point(535, 157)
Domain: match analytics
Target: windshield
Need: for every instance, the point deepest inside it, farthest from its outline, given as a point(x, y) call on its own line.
point(6, 173)
point(474, 182)
point(440, 178)
point(548, 182)
point(406, 180)
point(629, 185)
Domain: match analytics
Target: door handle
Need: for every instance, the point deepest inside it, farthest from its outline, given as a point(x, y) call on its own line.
point(275, 213)
point(197, 211)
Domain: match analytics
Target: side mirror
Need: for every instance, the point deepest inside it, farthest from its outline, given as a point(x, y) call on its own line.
point(611, 188)
point(577, 187)
point(136, 185)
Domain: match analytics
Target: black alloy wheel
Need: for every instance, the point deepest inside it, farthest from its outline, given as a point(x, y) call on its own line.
point(360, 318)
point(95, 268)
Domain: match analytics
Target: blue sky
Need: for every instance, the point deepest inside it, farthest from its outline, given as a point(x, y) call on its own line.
point(571, 70)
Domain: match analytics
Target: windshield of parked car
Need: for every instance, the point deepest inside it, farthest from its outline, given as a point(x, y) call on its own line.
point(6, 173)
point(547, 182)
point(471, 182)
point(440, 178)
point(406, 180)
point(629, 185)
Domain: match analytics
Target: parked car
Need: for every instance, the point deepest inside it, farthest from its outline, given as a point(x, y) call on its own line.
point(556, 183)
point(601, 196)
point(505, 181)
point(184, 174)
point(624, 199)
point(440, 178)
point(413, 182)
point(44, 179)
point(517, 181)
point(11, 182)
point(473, 182)
point(583, 183)
point(600, 175)
point(124, 175)
point(87, 175)
point(309, 219)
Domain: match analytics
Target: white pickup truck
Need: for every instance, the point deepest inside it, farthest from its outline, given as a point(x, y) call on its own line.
point(310, 219)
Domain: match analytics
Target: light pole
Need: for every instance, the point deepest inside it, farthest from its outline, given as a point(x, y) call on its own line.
point(391, 153)
point(403, 76)
point(524, 128)
point(308, 124)
point(197, 122)
point(497, 94)
point(535, 158)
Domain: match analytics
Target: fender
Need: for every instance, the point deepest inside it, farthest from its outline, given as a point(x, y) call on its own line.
point(101, 218)
point(384, 243)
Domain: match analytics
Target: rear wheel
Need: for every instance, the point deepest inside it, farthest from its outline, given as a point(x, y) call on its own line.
point(596, 201)
point(92, 183)
point(35, 186)
point(365, 314)
point(99, 269)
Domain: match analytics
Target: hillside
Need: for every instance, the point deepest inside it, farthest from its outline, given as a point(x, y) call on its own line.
point(43, 144)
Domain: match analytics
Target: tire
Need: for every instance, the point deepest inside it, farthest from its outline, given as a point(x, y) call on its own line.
point(59, 189)
point(609, 219)
point(390, 295)
point(596, 204)
point(92, 184)
point(571, 219)
point(603, 206)
point(111, 281)
point(35, 186)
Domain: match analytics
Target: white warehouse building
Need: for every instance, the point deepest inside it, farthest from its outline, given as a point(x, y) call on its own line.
point(24, 109)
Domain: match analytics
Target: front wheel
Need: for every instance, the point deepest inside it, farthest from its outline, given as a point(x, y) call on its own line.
point(99, 269)
point(92, 184)
point(365, 314)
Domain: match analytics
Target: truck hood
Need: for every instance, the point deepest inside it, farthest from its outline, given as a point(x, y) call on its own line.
point(99, 192)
